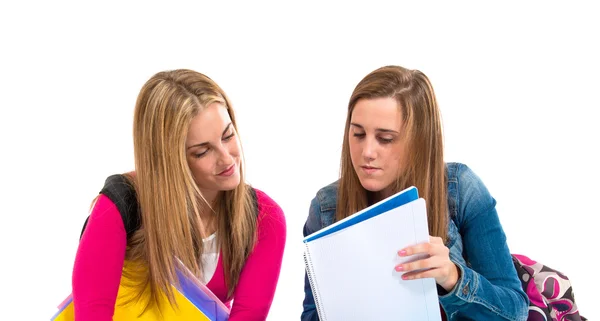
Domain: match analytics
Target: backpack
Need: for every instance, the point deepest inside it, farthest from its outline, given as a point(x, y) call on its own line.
point(120, 190)
point(550, 292)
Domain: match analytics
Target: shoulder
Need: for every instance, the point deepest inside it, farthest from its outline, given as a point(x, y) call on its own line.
point(118, 197)
point(322, 209)
point(104, 220)
point(271, 220)
point(267, 206)
point(467, 180)
point(265, 202)
point(326, 197)
point(104, 207)
point(466, 189)
point(459, 172)
point(121, 191)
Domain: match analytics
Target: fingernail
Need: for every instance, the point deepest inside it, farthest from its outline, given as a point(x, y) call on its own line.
point(404, 277)
point(399, 268)
point(402, 252)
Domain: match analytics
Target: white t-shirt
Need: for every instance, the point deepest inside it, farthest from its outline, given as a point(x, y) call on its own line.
point(210, 257)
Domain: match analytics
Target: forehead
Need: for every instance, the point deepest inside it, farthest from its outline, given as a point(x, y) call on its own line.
point(208, 124)
point(377, 113)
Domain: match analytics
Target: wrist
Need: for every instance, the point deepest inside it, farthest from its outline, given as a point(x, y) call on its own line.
point(452, 279)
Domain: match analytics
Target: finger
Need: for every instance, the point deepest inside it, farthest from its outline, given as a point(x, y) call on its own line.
point(429, 273)
point(431, 262)
point(429, 248)
point(415, 249)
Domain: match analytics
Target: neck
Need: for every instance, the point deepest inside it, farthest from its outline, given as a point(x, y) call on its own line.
point(374, 197)
point(209, 196)
point(208, 215)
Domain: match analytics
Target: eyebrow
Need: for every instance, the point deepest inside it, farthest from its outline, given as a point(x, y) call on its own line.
point(206, 143)
point(384, 130)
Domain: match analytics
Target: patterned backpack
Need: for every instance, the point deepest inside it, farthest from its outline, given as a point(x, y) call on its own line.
point(550, 293)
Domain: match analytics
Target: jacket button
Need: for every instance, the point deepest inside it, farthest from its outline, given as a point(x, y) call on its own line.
point(465, 290)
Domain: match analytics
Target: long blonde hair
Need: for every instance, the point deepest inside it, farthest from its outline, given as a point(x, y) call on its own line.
point(169, 199)
point(424, 165)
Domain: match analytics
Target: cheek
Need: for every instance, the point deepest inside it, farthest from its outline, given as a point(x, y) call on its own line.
point(395, 158)
point(354, 149)
point(234, 148)
point(200, 168)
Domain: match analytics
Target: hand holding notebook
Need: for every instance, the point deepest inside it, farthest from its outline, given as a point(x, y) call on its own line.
point(350, 264)
point(435, 263)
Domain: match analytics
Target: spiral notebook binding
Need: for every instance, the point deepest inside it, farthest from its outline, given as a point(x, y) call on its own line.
point(313, 284)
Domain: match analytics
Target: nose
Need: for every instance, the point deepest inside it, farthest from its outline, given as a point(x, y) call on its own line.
point(369, 151)
point(224, 158)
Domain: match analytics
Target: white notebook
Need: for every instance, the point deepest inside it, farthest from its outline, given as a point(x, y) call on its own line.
point(351, 270)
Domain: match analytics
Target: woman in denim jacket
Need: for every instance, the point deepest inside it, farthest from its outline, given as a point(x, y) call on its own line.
point(393, 139)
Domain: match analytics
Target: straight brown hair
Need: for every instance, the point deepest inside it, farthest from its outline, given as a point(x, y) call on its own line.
point(170, 202)
point(424, 165)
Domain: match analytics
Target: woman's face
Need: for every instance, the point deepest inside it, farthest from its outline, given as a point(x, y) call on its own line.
point(213, 151)
point(376, 145)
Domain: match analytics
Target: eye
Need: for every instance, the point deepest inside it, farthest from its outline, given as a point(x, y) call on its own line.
point(229, 136)
point(385, 140)
point(199, 155)
point(358, 135)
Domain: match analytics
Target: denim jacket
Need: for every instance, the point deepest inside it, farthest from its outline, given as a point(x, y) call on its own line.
point(489, 288)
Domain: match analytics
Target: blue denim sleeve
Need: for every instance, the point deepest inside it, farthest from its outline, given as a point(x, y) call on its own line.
point(489, 288)
point(312, 225)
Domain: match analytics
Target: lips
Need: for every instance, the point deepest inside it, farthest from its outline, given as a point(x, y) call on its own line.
point(228, 171)
point(370, 169)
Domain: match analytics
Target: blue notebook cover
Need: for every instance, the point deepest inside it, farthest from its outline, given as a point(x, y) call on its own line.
point(201, 296)
point(403, 197)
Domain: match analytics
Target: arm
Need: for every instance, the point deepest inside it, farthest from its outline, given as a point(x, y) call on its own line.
point(258, 281)
point(312, 225)
point(99, 263)
point(489, 288)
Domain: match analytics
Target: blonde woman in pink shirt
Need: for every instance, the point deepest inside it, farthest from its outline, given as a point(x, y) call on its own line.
point(188, 201)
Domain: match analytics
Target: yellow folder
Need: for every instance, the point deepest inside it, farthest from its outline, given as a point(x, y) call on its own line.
point(194, 301)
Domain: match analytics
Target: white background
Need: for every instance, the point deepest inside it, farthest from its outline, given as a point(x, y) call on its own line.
point(517, 85)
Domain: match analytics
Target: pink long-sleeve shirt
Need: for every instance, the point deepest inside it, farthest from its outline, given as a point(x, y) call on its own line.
point(101, 254)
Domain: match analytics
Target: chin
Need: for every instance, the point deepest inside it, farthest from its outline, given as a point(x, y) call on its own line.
point(371, 185)
point(230, 184)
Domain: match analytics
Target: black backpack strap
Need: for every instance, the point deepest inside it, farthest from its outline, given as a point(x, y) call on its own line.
point(122, 193)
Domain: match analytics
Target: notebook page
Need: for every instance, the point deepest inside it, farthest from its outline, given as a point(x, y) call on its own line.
point(354, 269)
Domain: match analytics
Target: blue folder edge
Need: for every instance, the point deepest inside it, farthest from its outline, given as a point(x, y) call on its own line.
point(63, 305)
point(200, 299)
point(403, 197)
point(191, 291)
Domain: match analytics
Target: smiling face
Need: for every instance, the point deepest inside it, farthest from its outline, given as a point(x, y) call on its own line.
point(213, 151)
point(376, 147)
